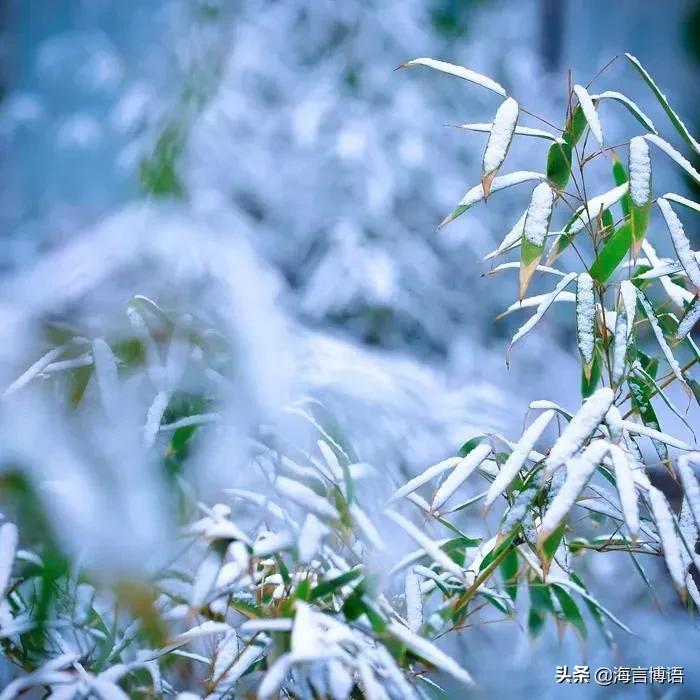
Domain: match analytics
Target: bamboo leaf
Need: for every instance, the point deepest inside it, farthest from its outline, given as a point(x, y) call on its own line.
point(458, 71)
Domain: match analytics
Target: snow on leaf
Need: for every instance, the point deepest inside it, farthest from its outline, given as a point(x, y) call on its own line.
point(476, 194)
point(690, 483)
point(367, 527)
point(595, 206)
point(538, 214)
point(689, 319)
point(536, 300)
point(154, 417)
point(674, 155)
point(310, 536)
point(36, 368)
point(581, 427)
point(685, 254)
point(579, 471)
point(542, 308)
point(331, 460)
point(431, 547)
point(518, 457)
point(663, 100)
point(205, 578)
point(487, 127)
point(305, 497)
point(428, 651)
point(677, 294)
point(639, 171)
point(619, 347)
point(585, 317)
point(589, 111)
point(678, 199)
point(8, 549)
point(658, 333)
point(467, 465)
point(631, 106)
point(424, 477)
point(667, 535)
point(500, 136)
point(372, 689)
point(414, 601)
point(516, 265)
point(459, 71)
point(626, 489)
point(639, 429)
point(106, 374)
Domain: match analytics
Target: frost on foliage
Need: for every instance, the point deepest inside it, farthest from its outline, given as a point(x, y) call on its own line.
point(428, 651)
point(538, 214)
point(424, 477)
point(663, 517)
point(628, 294)
point(685, 254)
point(596, 205)
point(518, 457)
point(414, 601)
point(631, 106)
point(626, 489)
point(639, 171)
point(579, 470)
point(678, 295)
point(590, 113)
point(477, 193)
point(500, 136)
point(619, 347)
point(690, 483)
point(660, 339)
point(459, 71)
point(690, 318)
point(585, 317)
point(305, 497)
point(546, 302)
point(580, 428)
point(640, 429)
point(674, 155)
point(460, 474)
point(8, 549)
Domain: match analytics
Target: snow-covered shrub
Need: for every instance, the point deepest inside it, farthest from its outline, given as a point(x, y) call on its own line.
point(182, 516)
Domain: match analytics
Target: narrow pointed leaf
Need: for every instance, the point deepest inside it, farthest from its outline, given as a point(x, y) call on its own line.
point(458, 71)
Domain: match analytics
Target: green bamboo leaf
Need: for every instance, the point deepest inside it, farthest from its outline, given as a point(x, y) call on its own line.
point(327, 587)
point(559, 155)
point(590, 383)
point(612, 254)
point(509, 571)
point(571, 610)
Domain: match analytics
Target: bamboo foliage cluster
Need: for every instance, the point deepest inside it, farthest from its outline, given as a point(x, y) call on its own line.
point(277, 592)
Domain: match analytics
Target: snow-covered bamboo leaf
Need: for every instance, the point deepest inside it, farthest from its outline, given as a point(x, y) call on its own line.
point(685, 254)
point(487, 128)
point(537, 219)
point(690, 318)
point(518, 457)
point(516, 266)
point(536, 300)
point(640, 171)
point(36, 368)
point(414, 601)
point(678, 199)
point(476, 194)
point(430, 653)
point(660, 339)
point(500, 137)
point(542, 308)
point(677, 294)
point(424, 477)
point(674, 155)
point(460, 474)
point(663, 101)
point(459, 71)
point(689, 481)
point(626, 489)
point(106, 375)
point(633, 108)
point(663, 517)
point(581, 428)
point(657, 435)
point(431, 547)
point(305, 497)
point(579, 471)
point(585, 320)
point(589, 111)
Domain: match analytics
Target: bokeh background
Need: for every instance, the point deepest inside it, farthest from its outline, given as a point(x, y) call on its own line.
point(280, 129)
